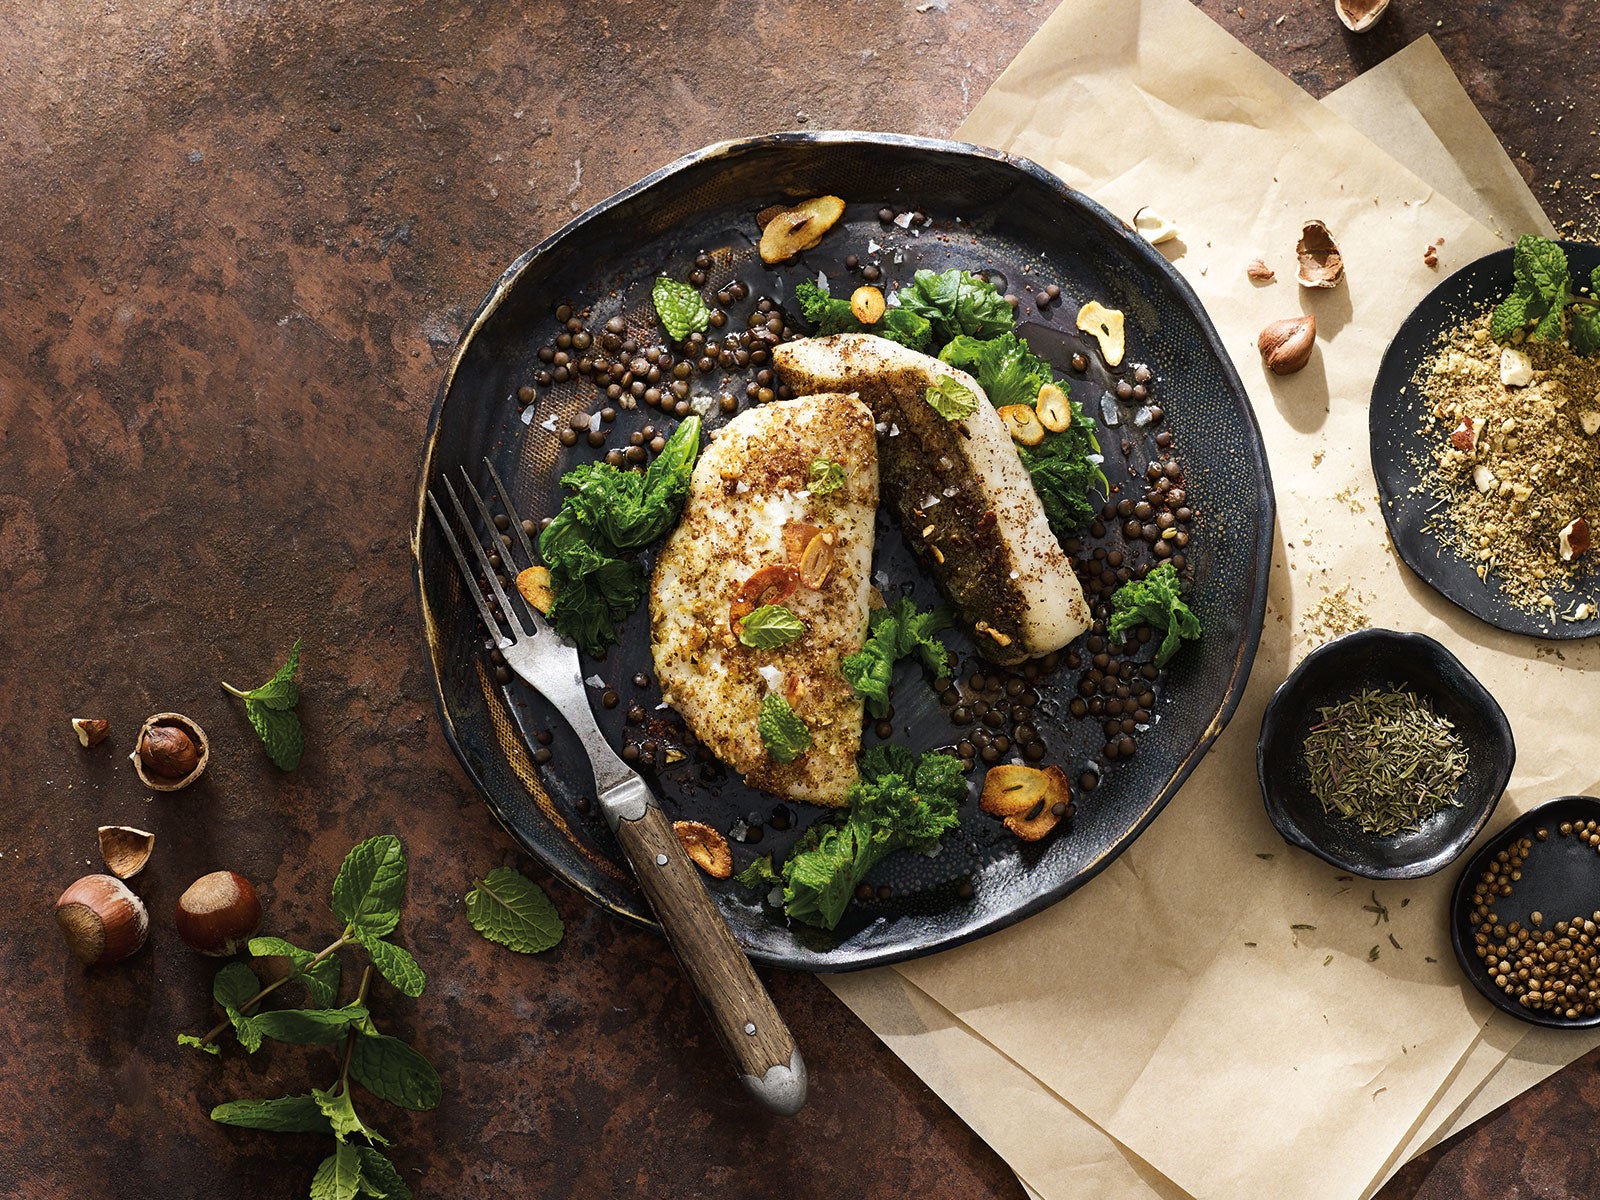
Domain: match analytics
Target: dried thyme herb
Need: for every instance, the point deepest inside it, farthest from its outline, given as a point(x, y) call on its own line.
point(1385, 760)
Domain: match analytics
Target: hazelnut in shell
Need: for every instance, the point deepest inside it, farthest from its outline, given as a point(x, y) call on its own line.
point(219, 913)
point(125, 849)
point(102, 920)
point(170, 752)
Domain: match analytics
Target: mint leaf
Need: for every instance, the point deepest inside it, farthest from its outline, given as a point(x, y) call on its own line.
point(1549, 328)
point(188, 1039)
point(1542, 265)
point(270, 709)
point(1585, 332)
point(509, 908)
point(770, 626)
point(393, 1071)
point(234, 987)
point(288, 1114)
point(1156, 601)
point(1510, 315)
point(379, 1177)
point(680, 308)
point(784, 734)
point(339, 1176)
point(759, 874)
point(395, 965)
point(321, 981)
point(309, 1026)
point(370, 885)
point(341, 1114)
point(279, 730)
point(825, 477)
point(952, 399)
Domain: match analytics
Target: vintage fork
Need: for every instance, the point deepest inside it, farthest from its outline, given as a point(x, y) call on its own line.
point(754, 1035)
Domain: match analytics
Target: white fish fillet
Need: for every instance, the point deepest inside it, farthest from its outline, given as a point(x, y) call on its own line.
point(748, 486)
point(987, 540)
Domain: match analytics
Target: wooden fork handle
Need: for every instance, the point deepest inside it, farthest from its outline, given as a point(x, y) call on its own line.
point(746, 1021)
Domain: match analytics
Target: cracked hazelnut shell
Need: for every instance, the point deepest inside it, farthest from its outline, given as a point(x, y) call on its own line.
point(125, 849)
point(170, 752)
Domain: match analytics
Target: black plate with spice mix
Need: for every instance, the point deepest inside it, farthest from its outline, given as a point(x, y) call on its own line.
point(1483, 549)
point(1525, 916)
point(528, 389)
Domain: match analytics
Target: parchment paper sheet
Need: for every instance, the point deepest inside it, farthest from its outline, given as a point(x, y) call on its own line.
point(1412, 107)
point(1136, 1010)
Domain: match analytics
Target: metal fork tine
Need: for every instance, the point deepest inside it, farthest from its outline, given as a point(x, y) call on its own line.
point(517, 628)
point(466, 572)
point(511, 511)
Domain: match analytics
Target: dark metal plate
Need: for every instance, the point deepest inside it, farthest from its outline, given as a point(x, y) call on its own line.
point(1400, 450)
point(993, 213)
point(1560, 880)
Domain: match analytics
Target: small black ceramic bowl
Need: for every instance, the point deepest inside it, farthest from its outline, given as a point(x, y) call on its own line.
point(1560, 880)
point(1383, 659)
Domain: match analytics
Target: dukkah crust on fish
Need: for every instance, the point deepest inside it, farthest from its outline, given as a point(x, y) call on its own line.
point(751, 529)
point(963, 498)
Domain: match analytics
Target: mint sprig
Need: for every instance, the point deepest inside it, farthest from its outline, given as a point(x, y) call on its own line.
point(270, 710)
point(367, 895)
point(1542, 304)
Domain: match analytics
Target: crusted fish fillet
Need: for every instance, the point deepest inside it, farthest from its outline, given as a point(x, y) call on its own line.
point(751, 530)
point(963, 497)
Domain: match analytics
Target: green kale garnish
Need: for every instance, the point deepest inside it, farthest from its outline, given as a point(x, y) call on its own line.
point(1004, 367)
point(894, 633)
point(900, 802)
point(610, 511)
point(829, 315)
point(1063, 473)
point(955, 303)
point(1155, 601)
point(825, 477)
point(1542, 295)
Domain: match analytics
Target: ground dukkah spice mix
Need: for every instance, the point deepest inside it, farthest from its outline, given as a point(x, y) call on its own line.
point(1519, 470)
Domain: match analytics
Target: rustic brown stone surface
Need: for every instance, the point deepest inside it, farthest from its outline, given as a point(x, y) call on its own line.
point(239, 241)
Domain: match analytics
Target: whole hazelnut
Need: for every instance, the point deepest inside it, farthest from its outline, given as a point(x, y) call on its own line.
point(1286, 345)
point(102, 920)
point(168, 752)
point(219, 913)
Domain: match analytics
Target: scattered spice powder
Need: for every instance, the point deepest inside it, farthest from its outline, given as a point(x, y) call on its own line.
point(1516, 465)
point(1334, 614)
point(1386, 761)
